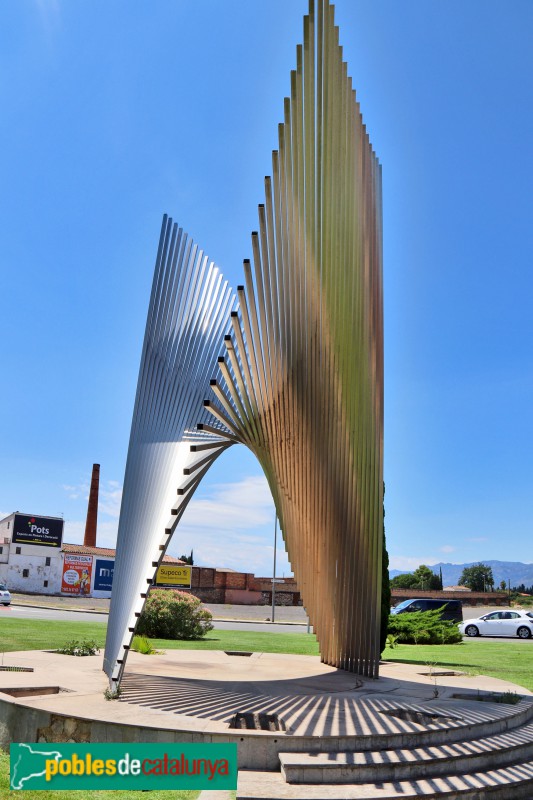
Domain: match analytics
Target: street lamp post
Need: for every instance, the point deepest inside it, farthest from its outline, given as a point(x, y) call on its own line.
point(274, 569)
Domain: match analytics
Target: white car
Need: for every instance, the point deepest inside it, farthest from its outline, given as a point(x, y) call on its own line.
point(505, 622)
point(5, 597)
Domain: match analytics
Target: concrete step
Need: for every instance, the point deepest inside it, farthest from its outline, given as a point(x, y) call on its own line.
point(408, 763)
point(513, 781)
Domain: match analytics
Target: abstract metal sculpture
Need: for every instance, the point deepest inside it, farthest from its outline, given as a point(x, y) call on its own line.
point(301, 379)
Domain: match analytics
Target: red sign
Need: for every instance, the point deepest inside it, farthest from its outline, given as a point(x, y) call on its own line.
point(77, 571)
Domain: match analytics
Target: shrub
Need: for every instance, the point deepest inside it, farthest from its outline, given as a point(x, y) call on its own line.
point(423, 627)
point(170, 614)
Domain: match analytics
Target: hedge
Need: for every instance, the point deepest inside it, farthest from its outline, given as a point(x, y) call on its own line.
point(423, 627)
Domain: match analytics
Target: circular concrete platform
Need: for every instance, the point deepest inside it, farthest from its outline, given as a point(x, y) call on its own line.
point(190, 695)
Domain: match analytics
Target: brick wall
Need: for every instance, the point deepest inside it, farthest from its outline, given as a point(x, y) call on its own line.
point(211, 595)
point(240, 588)
point(467, 598)
point(203, 577)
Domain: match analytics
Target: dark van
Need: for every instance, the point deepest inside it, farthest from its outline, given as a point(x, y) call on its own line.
point(453, 609)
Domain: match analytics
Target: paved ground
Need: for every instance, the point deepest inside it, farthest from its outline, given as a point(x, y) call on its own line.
point(193, 690)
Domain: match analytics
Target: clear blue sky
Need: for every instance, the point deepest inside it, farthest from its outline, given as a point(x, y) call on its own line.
point(116, 112)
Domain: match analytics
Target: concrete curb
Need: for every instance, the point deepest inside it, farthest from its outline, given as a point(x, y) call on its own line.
point(61, 608)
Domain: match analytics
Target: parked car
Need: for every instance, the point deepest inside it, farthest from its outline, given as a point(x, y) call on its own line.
point(5, 597)
point(451, 609)
point(504, 622)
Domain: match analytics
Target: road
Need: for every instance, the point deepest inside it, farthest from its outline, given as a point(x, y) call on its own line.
point(30, 612)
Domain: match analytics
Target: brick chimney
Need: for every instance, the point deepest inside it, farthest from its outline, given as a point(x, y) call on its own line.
point(89, 540)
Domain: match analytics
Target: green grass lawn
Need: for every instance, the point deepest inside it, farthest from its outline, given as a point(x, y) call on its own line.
point(510, 661)
point(38, 634)
point(295, 643)
point(29, 634)
point(7, 794)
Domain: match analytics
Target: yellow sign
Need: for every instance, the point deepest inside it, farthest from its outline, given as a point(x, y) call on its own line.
point(173, 576)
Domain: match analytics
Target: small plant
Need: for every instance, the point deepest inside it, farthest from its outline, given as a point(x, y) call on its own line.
point(76, 648)
point(392, 641)
point(112, 694)
point(142, 644)
point(511, 698)
point(433, 677)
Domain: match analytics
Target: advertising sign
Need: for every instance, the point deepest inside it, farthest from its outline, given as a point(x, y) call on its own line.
point(168, 575)
point(103, 575)
point(76, 577)
point(37, 530)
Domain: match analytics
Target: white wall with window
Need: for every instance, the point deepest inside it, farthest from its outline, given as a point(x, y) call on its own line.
point(29, 568)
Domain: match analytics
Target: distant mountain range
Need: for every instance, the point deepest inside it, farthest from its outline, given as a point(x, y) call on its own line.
point(513, 572)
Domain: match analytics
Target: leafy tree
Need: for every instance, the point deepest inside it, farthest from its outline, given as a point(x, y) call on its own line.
point(188, 559)
point(478, 578)
point(503, 586)
point(421, 578)
point(425, 578)
point(405, 581)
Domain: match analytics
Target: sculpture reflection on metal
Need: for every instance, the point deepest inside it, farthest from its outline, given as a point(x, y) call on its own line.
point(300, 380)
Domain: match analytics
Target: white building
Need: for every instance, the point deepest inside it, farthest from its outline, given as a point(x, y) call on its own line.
point(30, 553)
point(34, 560)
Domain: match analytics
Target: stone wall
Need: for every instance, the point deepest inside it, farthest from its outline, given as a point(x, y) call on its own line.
point(282, 598)
point(65, 729)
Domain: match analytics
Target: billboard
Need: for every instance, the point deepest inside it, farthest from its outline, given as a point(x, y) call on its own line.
point(76, 578)
point(45, 531)
point(103, 575)
point(173, 576)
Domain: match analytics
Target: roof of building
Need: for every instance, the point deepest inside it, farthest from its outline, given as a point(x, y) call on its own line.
point(88, 551)
point(456, 589)
point(109, 552)
point(24, 514)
